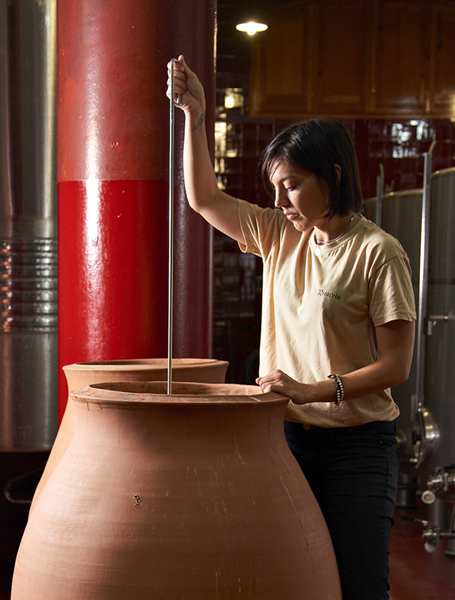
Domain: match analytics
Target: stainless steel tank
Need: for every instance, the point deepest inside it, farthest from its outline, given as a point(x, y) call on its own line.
point(369, 209)
point(439, 390)
point(28, 228)
point(401, 217)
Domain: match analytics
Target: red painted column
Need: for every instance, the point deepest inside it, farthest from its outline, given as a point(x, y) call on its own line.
point(113, 147)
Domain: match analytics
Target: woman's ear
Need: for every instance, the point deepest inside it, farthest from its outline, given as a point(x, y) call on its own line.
point(338, 170)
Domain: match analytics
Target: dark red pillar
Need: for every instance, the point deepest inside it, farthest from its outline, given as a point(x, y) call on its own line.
point(113, 147)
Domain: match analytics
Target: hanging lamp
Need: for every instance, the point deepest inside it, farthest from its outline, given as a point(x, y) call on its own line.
point(252, 24)
point(251, 27)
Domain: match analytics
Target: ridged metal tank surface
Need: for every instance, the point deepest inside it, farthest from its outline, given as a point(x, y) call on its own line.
point(189, 496)
point(28, 344)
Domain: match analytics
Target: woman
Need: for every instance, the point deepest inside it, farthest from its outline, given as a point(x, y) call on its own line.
point(337, 323)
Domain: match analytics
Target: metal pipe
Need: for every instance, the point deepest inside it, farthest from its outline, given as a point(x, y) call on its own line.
point(422, 416)
point(423, 277)
point(379, 195)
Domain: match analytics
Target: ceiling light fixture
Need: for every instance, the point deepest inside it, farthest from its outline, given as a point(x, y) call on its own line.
point(251, 27)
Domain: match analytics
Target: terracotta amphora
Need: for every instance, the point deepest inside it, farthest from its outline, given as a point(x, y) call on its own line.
point(79, 375)
point(188, 496)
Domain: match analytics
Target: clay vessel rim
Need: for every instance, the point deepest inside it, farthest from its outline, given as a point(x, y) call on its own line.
point(183, 393)
point(143, 364)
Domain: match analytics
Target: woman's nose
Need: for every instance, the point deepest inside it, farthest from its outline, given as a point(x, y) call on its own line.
point(281, 198)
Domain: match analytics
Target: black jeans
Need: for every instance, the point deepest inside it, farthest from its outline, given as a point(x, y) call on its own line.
point(353, 472)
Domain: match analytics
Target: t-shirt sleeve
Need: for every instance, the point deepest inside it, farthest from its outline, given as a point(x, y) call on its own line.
point(261, 228)
point(391, 293)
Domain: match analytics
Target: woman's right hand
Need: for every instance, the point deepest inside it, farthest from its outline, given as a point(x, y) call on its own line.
point(188, 86)
point(204, 196)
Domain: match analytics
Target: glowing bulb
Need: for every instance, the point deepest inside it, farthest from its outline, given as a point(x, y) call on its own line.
point(251, 27)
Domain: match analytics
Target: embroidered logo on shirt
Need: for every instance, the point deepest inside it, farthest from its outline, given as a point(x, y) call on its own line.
point(329, 294)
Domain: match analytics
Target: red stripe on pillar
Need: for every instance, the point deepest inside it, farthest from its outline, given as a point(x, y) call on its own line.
point(112, 271)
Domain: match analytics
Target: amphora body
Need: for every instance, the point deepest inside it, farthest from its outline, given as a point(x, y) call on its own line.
point(188, 496)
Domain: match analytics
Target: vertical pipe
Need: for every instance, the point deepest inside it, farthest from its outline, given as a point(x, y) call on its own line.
point(379, 195)
point(112, 182)
point(419, 405)
point(423, 279)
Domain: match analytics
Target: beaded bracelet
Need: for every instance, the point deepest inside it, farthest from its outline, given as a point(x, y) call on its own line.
point(339, 388)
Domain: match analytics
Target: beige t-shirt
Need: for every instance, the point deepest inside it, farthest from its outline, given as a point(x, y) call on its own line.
point(321, 304)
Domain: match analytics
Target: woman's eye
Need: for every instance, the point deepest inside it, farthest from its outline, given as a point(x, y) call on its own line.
point(290, 188)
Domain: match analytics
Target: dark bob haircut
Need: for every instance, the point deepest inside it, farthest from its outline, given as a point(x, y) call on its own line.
point(317, 145)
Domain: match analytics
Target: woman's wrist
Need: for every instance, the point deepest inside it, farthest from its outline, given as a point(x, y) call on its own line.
point(320, 391)
point(196, 120)
point(195, 114)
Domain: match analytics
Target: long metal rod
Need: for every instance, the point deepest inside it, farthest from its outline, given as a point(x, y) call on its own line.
point(171, 234)
point(379, 195)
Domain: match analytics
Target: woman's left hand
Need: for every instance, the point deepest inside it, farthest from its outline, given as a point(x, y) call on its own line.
point(279, 382)
point(395, 341)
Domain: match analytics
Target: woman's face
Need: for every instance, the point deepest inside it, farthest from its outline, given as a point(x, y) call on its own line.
point(303, 197)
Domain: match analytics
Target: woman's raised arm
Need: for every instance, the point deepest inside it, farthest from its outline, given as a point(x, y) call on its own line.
point(204, 195)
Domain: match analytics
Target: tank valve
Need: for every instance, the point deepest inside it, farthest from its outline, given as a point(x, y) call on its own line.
point(428, 497)
point(431, 536)
point(440, 484)
point(431, 540)
point(441, 479)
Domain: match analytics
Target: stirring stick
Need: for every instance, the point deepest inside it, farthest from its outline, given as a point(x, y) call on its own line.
point(171, 235)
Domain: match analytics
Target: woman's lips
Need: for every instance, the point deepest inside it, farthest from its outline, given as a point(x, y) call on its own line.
point(291, 216)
